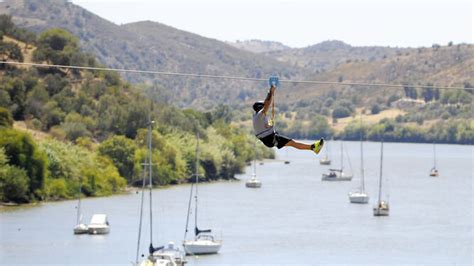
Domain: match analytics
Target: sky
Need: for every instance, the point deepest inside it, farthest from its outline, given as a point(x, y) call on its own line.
point(300, 23)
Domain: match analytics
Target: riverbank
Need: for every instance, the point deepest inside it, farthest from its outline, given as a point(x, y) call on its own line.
point(126, 190)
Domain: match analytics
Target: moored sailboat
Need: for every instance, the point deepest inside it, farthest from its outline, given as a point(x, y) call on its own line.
point(337, 174)
point(253, 182)
point(325, 159)
point(163, 255)
point(434, 172)
point(80, 227)
point(360, 196)
point(203, 241)
point(382, 207)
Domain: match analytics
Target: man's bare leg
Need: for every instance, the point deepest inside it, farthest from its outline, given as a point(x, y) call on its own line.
point(298, 145)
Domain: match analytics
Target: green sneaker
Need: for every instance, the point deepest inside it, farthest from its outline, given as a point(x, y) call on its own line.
point(318, 145)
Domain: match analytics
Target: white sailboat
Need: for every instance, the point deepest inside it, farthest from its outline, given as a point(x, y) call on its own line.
point(325, 160)
point(80, 227)
point(382, 207)
point(203, 241)
point(338, 174)
point(169, 255)
point(434, 172)
point(360, 196)
point(253, 182)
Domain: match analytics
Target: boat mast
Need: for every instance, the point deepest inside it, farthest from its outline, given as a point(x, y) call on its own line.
point(380, 179)
point(196, 175)
point(79, 206)
point(150, 175)
point(434, 152)
point(141, 211)
point(327, 151)
point(342, 157)
point(362, 185)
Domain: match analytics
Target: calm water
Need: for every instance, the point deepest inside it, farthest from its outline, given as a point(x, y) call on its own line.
point(293, 219)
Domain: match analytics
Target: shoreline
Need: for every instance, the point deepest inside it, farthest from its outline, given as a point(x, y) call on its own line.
point(127, 190)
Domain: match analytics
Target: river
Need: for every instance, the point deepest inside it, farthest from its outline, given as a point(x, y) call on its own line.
point(294, 219)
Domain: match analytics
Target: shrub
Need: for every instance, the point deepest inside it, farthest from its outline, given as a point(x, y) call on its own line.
point(340, 112)
point(375, 109)
point(6, 119)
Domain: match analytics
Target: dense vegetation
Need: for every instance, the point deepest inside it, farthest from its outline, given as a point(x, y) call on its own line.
point(89, 129)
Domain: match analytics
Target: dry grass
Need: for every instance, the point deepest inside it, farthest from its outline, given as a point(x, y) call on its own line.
point(343, 122)
point(366, 118)
point(26, 50)
point(36, 134)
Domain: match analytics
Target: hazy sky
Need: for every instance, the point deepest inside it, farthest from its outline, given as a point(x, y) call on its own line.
point(300, 23)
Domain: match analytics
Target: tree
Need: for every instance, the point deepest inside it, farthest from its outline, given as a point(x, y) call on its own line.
point(57, 46)
point(52, 115)
point(10, 51)
point(23, 152)
point(428, 93)
point(410, 92)
point(17, 91)
point(121, 151)
point(6, 25)
point(54, 84)
point(13, 181)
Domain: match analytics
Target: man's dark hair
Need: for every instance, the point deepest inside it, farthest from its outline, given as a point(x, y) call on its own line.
point(257, 106)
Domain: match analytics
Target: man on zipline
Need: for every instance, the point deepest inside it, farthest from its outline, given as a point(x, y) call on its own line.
point(267, 134)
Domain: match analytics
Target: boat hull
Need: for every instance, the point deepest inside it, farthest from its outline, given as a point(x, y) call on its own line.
point(253, 183)
point(165, 257)
point(98, 230)
point(201, 247)
point(328, 177)
point(357, 197)
point(81, 229)
point(381, 212)
point(381, 209)
point(324, 162)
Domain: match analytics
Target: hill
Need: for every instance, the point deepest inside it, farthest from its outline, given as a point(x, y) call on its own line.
point(154, 46)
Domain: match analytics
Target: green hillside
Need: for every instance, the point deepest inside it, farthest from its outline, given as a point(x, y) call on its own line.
point(65, 130)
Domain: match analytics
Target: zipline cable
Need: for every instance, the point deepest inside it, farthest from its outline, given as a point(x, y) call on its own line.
point(234, 77)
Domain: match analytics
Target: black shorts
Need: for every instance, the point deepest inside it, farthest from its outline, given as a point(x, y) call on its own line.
point(275, 139)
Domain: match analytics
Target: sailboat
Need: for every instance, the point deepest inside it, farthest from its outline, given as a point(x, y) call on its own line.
point(382, 207)
point(80, 227)
point(434, 171)
point(360, 196)
point(325, 160)
point(338, 174)
point(203, 242)
point(253, 182)
point(169, 255)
